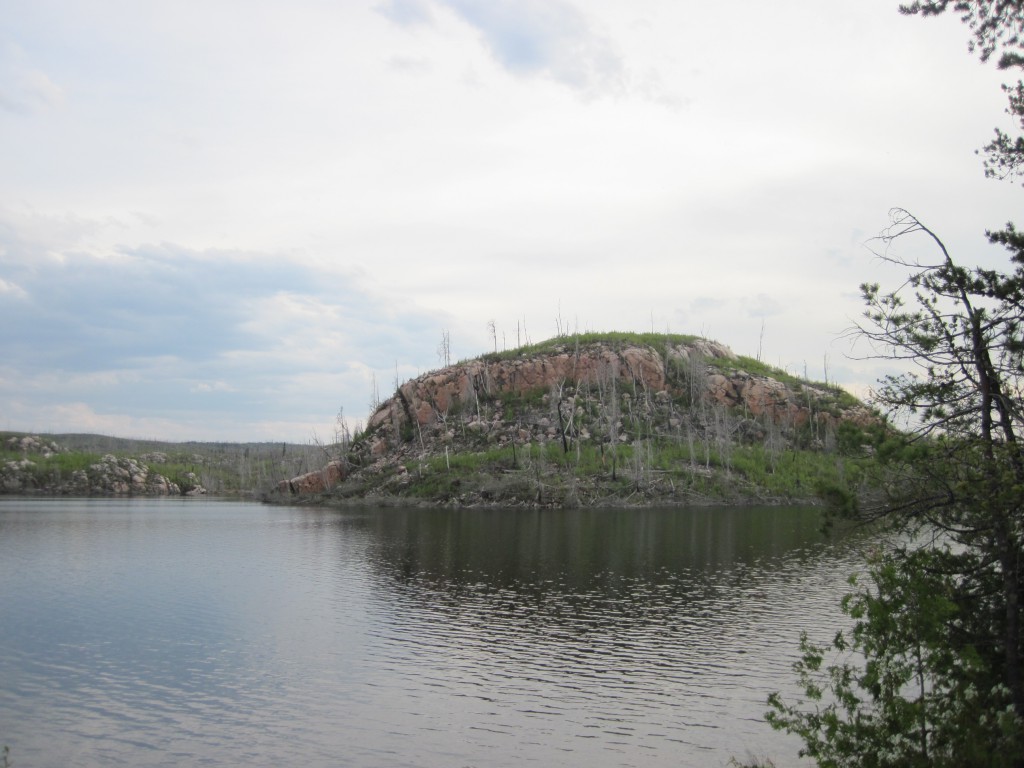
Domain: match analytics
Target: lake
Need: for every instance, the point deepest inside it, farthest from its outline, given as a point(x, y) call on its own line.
point(174, 632)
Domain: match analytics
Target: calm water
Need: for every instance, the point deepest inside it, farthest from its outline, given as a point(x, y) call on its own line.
point(204, 633)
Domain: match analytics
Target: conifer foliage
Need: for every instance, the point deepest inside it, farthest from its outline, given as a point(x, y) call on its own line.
point(931, 672)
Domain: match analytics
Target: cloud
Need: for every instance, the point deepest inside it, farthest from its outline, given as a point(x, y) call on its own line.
point(12, 290)
point(763, 305)
point(406, 13)
point(236, 220)
point(25, 89)
point(408, 64)
point(32, 239)
point(705, 303)
point(549, 38)
point(213, 386)
point(89, 312)
point(216, 342)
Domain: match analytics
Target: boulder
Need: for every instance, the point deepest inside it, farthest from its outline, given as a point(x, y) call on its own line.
point(315, 482)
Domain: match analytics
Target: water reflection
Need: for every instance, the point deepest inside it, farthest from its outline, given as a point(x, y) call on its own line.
point(515, 546)
point(147, 633)
point(622, 635)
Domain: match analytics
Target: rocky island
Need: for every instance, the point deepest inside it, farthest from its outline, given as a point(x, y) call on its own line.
point(598, 419)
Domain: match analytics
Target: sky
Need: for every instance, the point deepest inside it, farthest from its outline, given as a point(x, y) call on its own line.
point(228, 220)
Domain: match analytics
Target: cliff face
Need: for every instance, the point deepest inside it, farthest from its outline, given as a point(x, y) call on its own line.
point(695, 375)
point(592, 396)
point(428, 399)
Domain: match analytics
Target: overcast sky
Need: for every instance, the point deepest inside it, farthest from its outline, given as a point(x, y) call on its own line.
point(225, 220)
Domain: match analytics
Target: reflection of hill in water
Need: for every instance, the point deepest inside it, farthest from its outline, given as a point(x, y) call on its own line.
point(639, 629)
point(501, 566)
point(504, 548)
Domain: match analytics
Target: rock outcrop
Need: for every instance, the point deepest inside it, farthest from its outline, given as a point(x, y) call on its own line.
point(315, 482)
point(110, 476)
point(33, 444)
point(682, 391)
point(122, 477)
point(692, 372)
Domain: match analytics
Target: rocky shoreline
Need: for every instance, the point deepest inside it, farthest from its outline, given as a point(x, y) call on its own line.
point(38, 472)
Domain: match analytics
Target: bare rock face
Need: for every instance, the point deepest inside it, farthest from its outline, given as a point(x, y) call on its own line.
point(605, 393)
point(428, 399)
point(700, 349)
point(192, 486)
point(431, 398)
point(760, 396)
point(127, 477)
point(315, 482)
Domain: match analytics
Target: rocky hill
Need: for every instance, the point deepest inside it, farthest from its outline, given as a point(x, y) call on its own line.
point(598, 419)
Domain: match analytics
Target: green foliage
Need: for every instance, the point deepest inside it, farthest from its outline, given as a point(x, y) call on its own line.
point(661, 467)
point(221, 468)
point(931, 673)
point(996, 27)
point(905, 686)
point(851, 439)
point(55, 468)
point(658, 341)
point(798, 473)
point(757, 368)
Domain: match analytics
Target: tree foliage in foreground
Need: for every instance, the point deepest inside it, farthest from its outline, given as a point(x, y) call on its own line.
point(905, 686)
point(997, 27)
point(931, 672)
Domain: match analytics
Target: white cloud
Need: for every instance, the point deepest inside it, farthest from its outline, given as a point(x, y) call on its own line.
point(550, 37)
point(213, 386)
point(162, 334)
point(406, 12)
point(12, 290)
point(409, 64)
point(249, 211)
point(23, 88)
point(762, 305)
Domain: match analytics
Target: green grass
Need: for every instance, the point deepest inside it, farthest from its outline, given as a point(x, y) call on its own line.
point(525, 399)
point(665, 466)
point(568, 343)
point(832, 393)
point(58, 466)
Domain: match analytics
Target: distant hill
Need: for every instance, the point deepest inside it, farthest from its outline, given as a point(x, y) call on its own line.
point(89, 464)
point(599, 419)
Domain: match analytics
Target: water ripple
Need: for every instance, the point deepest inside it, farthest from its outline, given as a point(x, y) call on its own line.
point(141, 634)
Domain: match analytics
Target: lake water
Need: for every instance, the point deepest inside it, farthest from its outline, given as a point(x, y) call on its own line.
point(209, 633)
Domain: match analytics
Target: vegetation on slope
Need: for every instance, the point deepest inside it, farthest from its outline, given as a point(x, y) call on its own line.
point(55, 463)
point(646, 419)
